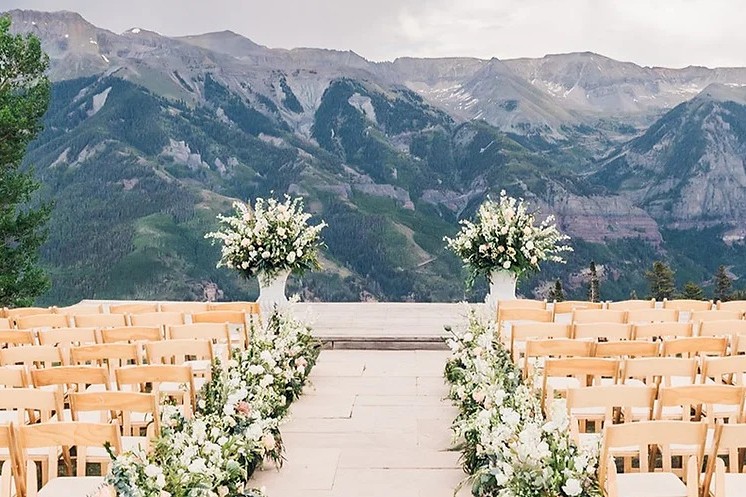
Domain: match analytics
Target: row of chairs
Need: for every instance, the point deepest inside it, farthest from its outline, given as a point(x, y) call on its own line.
point(55, 439)
point(133, 307)
point(635, 316)
point(567, 306)
point(47, 321)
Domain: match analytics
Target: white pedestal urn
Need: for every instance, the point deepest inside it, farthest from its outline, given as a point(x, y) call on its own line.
point(502, 287)
point(272, 292)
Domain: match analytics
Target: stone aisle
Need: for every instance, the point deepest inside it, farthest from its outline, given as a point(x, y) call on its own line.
point(371, 424)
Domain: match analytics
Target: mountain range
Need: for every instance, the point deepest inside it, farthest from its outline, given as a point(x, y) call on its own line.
point(148, 137)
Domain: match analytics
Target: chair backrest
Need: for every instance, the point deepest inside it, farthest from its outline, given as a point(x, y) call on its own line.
point(67, 434)
point(733, 305)
point(5, 324)
point(554, 347)
point(25, 402)
point(26, 311)
point(694, 346)
point(631, 305)
point(694, 399)
point(111, 355)
point(524, 331)
point(178, 351)
point(38, 321)
point(253, 307)
point(653, 316)
point(157, 319)
point(71, 377)
point(138, 377)
point(725, 327)
point(660, 330)
point(100, 320)
point(659, 370)
point(729, 369)
point(67, 337)
point(598, 316)
point(602, 331)
point(72, 310)
point(185, 307)
point(568, 306)
point(233, 317)
point(731, 439)
point(131, 334)
point(33, 355)
point(645, 434)
point(17, 337)
point(627, 348)
point(611, 398)
point(700, 316)
point(118, 406)
point(13, 377)
point(687, 305)
point(586, 370)
point(134, 308)
point(216, 332)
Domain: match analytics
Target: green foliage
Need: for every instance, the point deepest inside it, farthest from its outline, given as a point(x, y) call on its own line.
point(661, 281)
point(692, 291)
point(723, 285)
point(594, 294)
point(556, 293)
point(24, 97)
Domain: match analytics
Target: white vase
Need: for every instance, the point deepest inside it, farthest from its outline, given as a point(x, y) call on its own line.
point(272, 292)
point(502, 287)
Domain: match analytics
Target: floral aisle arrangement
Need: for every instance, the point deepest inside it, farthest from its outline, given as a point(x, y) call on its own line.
point(236, 425)
point(272, 238)
point(506, 237)
point(509, 448)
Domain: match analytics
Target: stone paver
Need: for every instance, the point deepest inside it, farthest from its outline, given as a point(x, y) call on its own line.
point(370, 424)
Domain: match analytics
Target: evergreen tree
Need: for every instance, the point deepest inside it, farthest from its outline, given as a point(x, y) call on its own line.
point(692, 291)
point(24, 96)
point(661, 282)
point(633, 295)
point(723, 285)
point(593, 285)
point(556, 293)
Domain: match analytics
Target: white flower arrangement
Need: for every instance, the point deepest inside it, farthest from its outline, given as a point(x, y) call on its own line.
point(509, 448)
point(270, 238)
point(236, 425)
point(506, 236)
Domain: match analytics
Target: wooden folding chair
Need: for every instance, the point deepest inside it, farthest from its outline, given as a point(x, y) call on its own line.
point(131, 334)
point(608, 404)
point(518, 315)
point(525, 331)
point(602, 332)
point(640, 316)
point(185, 307)
point(134, 308)
point(687, 305)
point(157, 319)
point(13, 377)
point(729, 370)
point(700, 316)
point(730, 329)
point(72, 310)
point(197, 354)
point(658, 480)
point(52, 436)
point(627, 349)
point(732, 305)
point(694, 346)
point(130, 410)
point(598, 316)
point(164, 380)
point(239, 321)
point(222, 336)
point(68, 337)
point(730, 440)
point(631, 305)
point(100, 320)
point(568, 306)
point(18, 337)
point(109, 355)
point(537, 351)
point(18, 312)
point(39, 356)
point(657, 331)
point(253, 307)
point(72, 378)
point(692, 402)
point(659, 371)
point(575, 372)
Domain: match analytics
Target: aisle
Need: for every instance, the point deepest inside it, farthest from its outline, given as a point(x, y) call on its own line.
point(371, 424)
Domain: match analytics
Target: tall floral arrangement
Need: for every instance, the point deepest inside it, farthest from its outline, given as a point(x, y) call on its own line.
point(509, 448)
point(506, 236)
point(271, 238)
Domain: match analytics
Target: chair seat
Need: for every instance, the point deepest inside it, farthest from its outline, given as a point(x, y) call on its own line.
point(75, 486)
point(650, 485)
point(733, 485)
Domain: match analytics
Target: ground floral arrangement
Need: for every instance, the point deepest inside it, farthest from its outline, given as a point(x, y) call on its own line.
point(270, 238)
point(509, 449)
point(236, 425)
point(506, 236)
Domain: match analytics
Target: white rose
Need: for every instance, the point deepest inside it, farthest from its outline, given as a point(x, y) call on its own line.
point(506, 264)
point(291, 257)
point(266, 254)
point(269, 442)
point(572, 487)
point(529, 244)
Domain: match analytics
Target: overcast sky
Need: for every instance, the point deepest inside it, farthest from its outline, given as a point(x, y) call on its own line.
point(672, 33)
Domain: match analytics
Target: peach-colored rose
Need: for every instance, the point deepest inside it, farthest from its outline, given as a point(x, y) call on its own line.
point(243, 407)
point(478, 396)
